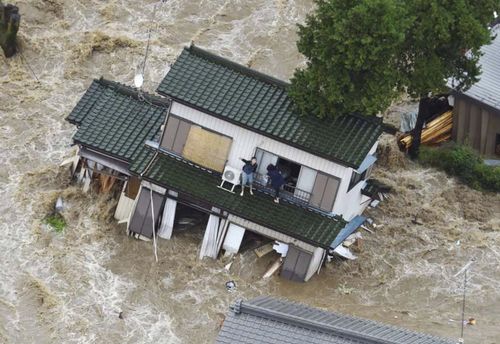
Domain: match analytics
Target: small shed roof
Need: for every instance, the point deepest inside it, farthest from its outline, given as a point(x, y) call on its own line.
point(177, 174)
point(258, 102)
point(487, 89)
point(268, 320)
point(116, 120)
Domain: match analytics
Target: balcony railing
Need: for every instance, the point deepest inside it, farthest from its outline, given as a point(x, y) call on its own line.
point(289, 192)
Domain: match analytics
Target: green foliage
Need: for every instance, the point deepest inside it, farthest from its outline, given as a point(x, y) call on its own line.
point(443, 42)
point(464, 163)
point(351, 48)
point(56, 221)
point(362, 53)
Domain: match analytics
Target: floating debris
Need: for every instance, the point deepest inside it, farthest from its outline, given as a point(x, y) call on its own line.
point(230, 286)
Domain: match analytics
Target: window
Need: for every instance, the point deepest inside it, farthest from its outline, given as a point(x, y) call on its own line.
point(204, 147)
point(207, 148)
point(175, 134)
point(263, 160)
point(299, 180)
point(357, 177)
point(324, 191)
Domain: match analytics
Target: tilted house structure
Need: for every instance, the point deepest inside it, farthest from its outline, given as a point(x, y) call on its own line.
point(113, 122)
point(268, 320)
point(214, 112)
point(476, 119)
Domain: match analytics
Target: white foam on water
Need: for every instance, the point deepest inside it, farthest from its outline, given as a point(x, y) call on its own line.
point(87, 276)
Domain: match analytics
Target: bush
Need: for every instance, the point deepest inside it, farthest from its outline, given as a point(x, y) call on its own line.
point(56, 221)
point(465, 164)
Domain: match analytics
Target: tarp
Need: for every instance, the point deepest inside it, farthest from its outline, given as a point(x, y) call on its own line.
point(354, 224)
point(367, 162)
point(408, 121)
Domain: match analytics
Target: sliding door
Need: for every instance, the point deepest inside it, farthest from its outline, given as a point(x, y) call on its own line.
point(324, 191)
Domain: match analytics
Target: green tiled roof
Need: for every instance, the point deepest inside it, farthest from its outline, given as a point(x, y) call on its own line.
point(114, 119)
point(261, 103)
point(184, 177)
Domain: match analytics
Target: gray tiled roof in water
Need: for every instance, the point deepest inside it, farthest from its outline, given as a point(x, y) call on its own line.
point(268, 320)
point(260, 103)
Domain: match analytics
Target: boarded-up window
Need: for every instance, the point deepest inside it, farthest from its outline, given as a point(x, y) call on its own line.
point(175, 135)
point(296, 264)
point(132, 187)
point(324, 191)
point(142, 221)
point(207, 148)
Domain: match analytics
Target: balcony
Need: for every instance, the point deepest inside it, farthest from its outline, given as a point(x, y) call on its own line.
point(288, 192)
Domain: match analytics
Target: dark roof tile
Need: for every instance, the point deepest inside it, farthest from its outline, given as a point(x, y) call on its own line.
point(302, 223)
point(261, 103)
point(114, 119)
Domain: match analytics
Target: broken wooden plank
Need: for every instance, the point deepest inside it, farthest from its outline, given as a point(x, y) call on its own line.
point(264, 249)
point(273, 268)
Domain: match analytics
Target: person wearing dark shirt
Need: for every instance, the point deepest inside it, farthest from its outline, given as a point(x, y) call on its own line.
point(277, 181)
point(247, 176)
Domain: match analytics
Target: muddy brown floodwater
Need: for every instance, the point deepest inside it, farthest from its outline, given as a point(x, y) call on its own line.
point(71, 287)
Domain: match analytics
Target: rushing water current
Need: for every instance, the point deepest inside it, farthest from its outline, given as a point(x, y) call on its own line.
point(71, 287)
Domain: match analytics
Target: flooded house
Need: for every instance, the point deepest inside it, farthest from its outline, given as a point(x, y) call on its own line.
point(269, 320)
point(476, 119)
point(183, 149)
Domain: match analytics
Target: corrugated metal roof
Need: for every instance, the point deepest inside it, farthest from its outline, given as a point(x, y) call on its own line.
point(261, 103)
point(269, 320)
point(112, 118)
point(487, 89)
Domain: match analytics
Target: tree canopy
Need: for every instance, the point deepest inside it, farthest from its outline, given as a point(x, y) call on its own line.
point(362, 54)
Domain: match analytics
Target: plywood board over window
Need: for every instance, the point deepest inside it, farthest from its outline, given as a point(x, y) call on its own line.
point(207, 148)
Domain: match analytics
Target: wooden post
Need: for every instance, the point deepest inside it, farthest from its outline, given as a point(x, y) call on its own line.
point(9, 25)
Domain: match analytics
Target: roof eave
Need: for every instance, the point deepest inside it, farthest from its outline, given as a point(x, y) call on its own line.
point(102, 151)
point(308, 241)
point(324, 156)
point(490, 108)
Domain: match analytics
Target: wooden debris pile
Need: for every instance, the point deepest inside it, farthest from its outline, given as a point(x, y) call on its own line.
point(436, 131)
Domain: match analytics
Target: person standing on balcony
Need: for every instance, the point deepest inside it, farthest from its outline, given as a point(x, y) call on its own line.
point(277, 181)
point(247, 176)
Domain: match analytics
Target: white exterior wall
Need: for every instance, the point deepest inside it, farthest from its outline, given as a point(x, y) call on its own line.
point(354, 202)
point(246, 141)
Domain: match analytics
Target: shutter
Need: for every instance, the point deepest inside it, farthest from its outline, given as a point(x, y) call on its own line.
point(318, 189)
point(181, 137)
point(296, 264)
point(141, 222)
point(330, 193)
point(169, 133)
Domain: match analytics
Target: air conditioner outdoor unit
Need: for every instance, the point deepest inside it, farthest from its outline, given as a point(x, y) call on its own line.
point(230, 175)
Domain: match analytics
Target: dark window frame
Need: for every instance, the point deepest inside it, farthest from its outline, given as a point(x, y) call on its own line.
point(356, 177)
